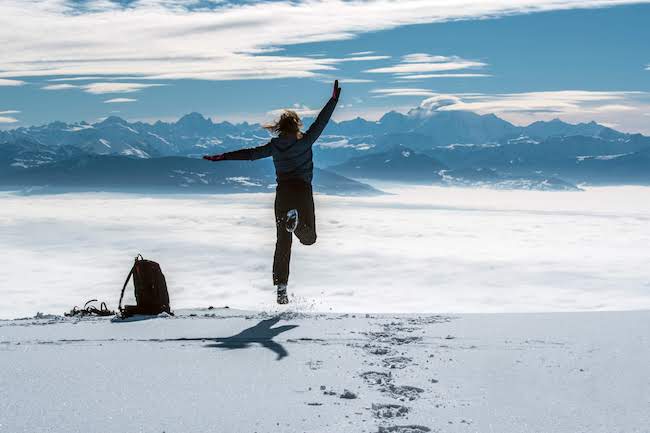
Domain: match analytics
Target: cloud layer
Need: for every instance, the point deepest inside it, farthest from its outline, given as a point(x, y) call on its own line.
point(420, 64)
point(8, 119)
point(165, 39)
point(119, 100)
point(570, 105)
point(558, 102)
point(103, 87)
point(10, 83)
point(494, 250)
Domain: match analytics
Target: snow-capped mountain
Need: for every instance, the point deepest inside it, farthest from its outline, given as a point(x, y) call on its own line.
point(460, 142)
point(399, 164)
point(166, 174)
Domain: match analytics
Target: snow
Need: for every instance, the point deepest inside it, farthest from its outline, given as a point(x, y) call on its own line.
point(340, 142)
point(335, 142)
point(28, 163)
point(243, 180)
point(79, 127)
point(339, 358)
point(204, 142)
point(419, 249)
point(522, 139)
point(134, 151)
point(601, 157)
point(105, 142)
point(159, 138)
point(280, 370)
point(128, 128)
point(240, 137)
point(480, 145)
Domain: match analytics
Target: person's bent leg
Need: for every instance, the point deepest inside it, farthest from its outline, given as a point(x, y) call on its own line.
point(306, 230)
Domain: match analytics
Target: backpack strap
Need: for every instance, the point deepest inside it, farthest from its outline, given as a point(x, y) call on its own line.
point(128, 277)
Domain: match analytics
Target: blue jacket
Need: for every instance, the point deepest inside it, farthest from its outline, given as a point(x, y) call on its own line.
point(292, 157)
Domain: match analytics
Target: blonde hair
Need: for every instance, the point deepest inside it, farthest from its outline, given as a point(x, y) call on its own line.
point(289, 123)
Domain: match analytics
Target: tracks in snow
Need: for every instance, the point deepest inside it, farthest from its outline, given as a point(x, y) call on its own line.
point(385, 345)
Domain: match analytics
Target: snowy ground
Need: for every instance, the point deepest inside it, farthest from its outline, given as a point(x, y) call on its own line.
point(430, 252)
point(233, 371)
point(422, 249)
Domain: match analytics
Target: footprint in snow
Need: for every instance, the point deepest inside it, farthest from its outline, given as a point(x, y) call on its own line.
point(378, 350)
point(376, 377)
point(389, 410)
point(404, 429)
point(403, 392)
point(397, 362)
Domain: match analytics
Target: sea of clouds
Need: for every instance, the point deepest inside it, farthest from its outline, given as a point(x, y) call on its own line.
point(420, 249)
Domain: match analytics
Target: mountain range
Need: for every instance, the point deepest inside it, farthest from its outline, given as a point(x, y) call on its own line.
point(446, 147)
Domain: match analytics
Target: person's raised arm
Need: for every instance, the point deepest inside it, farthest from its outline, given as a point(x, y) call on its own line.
point(323, 117)
point(249, 154)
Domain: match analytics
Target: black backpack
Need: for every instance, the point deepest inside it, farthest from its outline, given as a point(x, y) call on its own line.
point(151, 294)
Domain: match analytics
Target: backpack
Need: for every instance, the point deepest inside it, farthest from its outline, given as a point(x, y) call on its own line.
point(151, 294)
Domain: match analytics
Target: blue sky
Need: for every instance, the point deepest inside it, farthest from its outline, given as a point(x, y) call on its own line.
point(160, 59)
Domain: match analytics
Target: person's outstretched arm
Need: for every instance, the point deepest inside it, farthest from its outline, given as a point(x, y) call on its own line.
point(319, 124)
point(249, 154)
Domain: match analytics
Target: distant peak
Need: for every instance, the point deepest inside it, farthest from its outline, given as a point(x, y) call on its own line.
point(391, 115)
point(113, 120)
point(194, 118)
point(193, 115)
point(57, 124)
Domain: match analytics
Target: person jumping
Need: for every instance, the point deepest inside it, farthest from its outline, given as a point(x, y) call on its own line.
point(292, 156)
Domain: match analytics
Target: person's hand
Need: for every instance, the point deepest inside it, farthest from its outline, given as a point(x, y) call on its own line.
point(337, 90)
point(219, 157)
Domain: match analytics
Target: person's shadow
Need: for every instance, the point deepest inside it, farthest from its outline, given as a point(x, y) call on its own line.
point(262, 334)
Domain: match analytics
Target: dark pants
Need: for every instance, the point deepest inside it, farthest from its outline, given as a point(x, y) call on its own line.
point(292, 195)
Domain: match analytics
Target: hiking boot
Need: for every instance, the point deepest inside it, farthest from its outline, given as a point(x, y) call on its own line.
point(282, 294)
point(292, 220)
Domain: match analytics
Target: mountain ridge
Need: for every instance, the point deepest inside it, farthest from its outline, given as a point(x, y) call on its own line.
point(462, 142)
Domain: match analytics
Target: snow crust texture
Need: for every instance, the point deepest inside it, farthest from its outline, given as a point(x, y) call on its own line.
point(289, 371)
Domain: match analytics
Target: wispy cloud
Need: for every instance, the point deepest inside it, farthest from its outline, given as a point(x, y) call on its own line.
point(301, 110)
point(103, 87)
point(59, 87)
point(328, 79)
point(12, 83)
point(613, 108)
point(401, 91)
point(559, 102)
point(423, 63)
point(119, 100)
point(452, 75)
point(8, 119)
point(363, 58)
point(76, 78)
point(218, 40)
